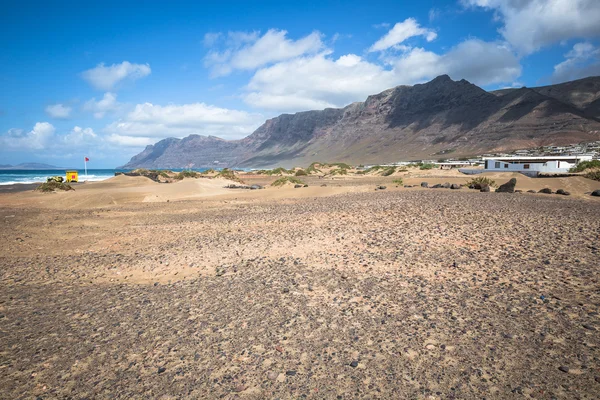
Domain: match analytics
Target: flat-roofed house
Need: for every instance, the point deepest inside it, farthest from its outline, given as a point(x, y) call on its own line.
point(532, 166)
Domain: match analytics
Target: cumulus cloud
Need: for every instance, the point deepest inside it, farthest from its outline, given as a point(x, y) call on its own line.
point(36, 139)
point(43, 136)
point(248, 51)
point(58, 111)
point(401, 32)
point(108, 77)
point(582, 61)
point(108, 103)
point(156, 121)
point(321, 81)
point(530, 25)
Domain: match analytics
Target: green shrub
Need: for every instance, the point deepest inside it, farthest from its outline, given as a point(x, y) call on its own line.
point(186, 174)
point(301, 172)
point(582, 166)
point(279, 171)
point(285, 179)
point(340, 165)
point(208, 171)
point(398, 182)
point(388, 171)
point(425, 166)
point(482, 180)
point(338, 171)
point(51, 186)
point(228, 174)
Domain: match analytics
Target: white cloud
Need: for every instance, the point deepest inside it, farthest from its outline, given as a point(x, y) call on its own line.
point(155, 121)
point(401, 32)
point(99, 108)
point(130, 141)
point(582, 61)
point(248, 51)
point(211, 38)
point(316, 82)
point(106, 78)
point(530, 25)
point(79, 136)
point(36, 139)
point(58, 111)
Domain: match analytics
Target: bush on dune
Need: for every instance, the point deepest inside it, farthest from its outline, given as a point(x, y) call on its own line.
point(287, 179)
point(52, 186)
point(228, 174)
point(187, 174)
point(301, 172)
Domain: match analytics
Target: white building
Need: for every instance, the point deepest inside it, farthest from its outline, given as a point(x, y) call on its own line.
point(532, 166)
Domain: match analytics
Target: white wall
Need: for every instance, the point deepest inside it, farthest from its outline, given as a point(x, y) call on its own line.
point(548, 166)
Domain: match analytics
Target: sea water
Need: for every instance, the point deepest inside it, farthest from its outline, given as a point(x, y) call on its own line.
point(13, 176)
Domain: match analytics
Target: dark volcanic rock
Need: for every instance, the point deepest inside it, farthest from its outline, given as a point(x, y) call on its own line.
point(508, 187)
point(545, 190)
point(455, 186)
point(596, 193)
point(424, 184)
point(485, 188)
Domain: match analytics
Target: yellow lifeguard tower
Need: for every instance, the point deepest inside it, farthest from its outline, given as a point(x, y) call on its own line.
point(72, 176)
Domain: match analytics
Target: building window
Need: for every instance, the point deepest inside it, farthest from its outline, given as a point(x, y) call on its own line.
point(497, 164)
point(526, 166)
point(505, 165)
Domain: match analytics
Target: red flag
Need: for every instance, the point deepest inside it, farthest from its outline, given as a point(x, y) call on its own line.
point(87, 159)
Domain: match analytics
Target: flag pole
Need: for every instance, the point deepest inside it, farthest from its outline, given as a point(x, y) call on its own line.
point(85, 166)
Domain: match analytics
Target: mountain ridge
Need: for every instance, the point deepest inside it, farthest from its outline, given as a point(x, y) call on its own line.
point(442, 116)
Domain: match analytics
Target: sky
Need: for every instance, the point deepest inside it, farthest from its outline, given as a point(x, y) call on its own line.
point(105, 79)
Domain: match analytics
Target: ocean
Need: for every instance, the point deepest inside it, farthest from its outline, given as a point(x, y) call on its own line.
point(10, 177)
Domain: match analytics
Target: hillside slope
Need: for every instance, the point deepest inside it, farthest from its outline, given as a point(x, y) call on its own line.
point(406, 122)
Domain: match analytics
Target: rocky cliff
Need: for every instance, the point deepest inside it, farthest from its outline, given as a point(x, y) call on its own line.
point(403, 123)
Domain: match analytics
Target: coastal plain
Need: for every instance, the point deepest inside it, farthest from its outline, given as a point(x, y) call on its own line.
point(129, 288)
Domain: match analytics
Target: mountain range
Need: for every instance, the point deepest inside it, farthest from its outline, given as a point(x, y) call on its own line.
point(424, 121)
point(29, 166)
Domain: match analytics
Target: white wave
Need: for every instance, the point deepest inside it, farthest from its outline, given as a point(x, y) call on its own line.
point(40, 179)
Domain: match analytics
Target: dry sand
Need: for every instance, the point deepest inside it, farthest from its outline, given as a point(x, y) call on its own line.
point(134, 289)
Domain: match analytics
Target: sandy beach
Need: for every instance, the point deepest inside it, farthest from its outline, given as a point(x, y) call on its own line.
point(129, 288)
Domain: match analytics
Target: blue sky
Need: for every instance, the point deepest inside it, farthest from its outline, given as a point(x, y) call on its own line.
point(104, 79)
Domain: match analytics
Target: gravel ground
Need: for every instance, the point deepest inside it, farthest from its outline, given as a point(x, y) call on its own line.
point(432, 294)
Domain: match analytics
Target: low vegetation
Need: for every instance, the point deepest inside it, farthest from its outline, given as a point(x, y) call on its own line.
point(187, 174)
point(301, 172)
point(208, 171)
point(312, 168)
point(52, 186)
point(585, 165)
point(287, 179)
point(425, 166)
point(481, 181)
point(338, 171)
point(229, 174)
point(388, 171)
point(398, 181)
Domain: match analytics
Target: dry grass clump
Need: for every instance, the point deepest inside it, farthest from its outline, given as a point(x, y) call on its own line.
point(338, 171)
point(388, 171)
point(301, 172)
point(481, 181)
point(287, 179)
point(53, 186)
point(398, 181)
point(187, 174)
point(229, 174)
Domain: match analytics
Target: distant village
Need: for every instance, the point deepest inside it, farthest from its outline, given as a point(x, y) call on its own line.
point(546, 160)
